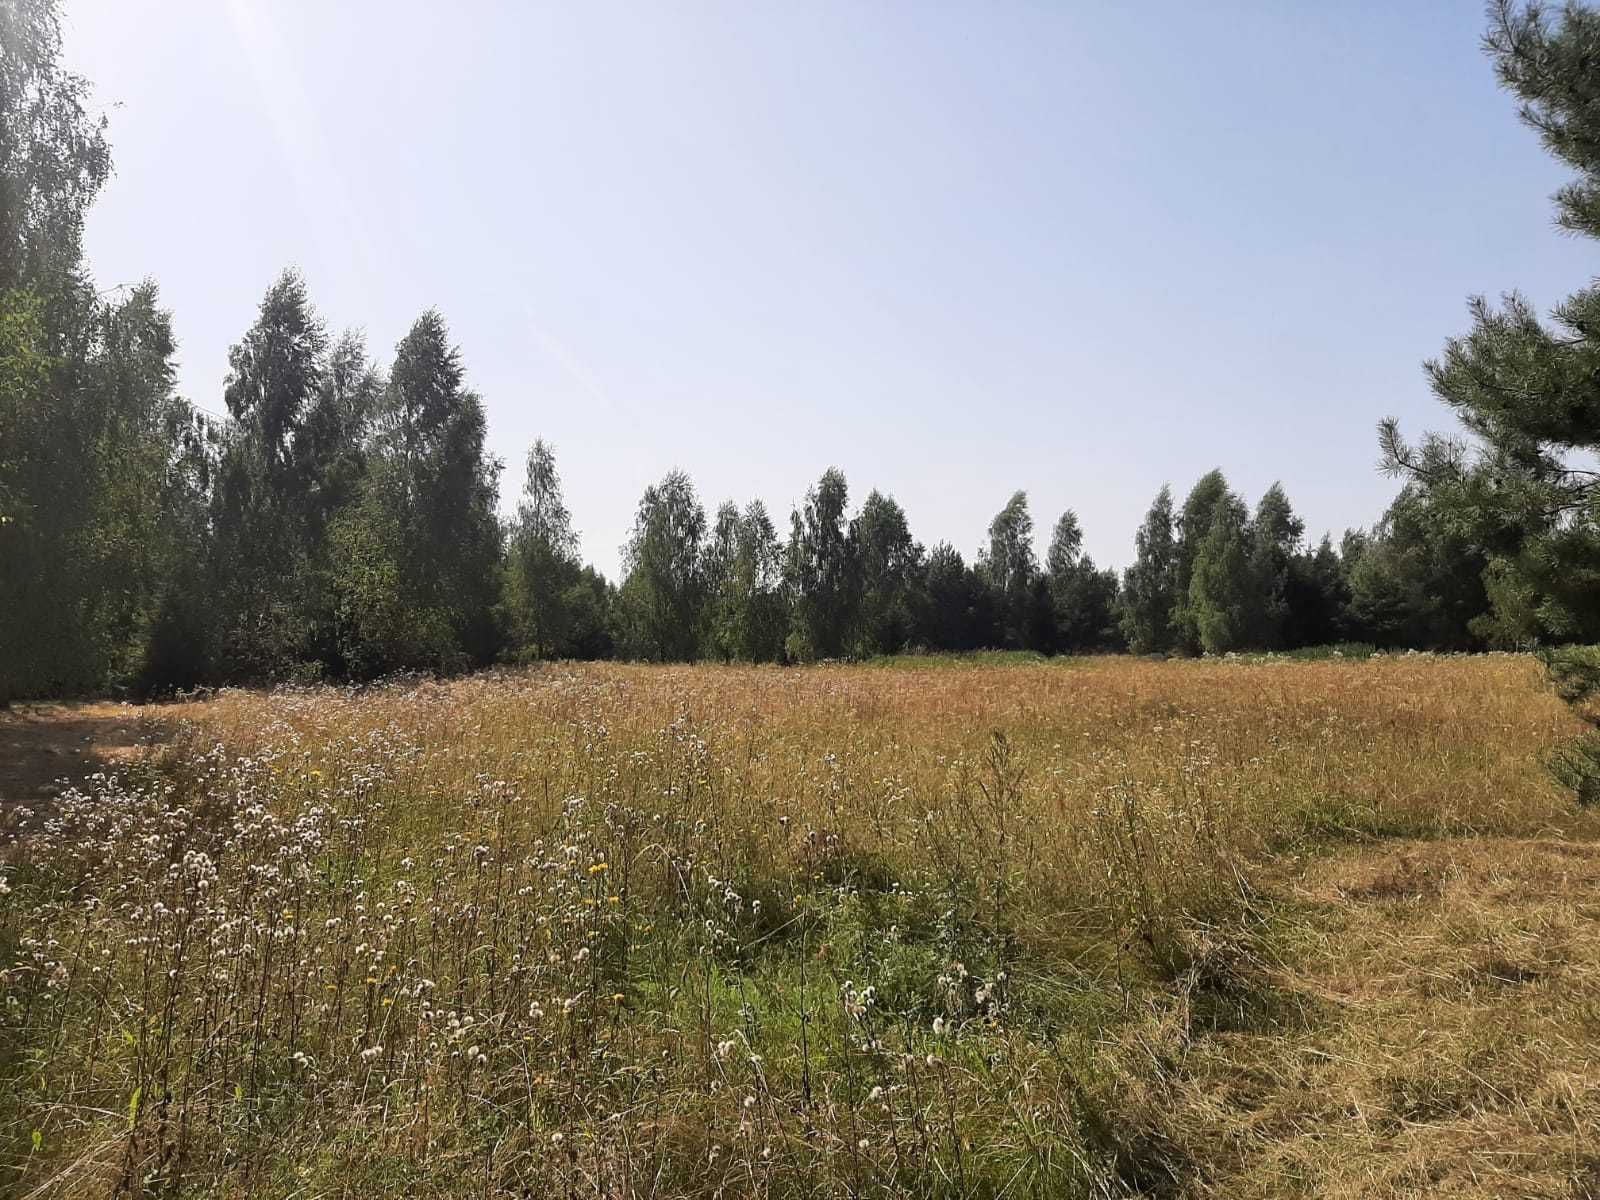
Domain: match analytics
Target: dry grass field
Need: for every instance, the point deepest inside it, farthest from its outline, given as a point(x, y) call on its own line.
point(956, 928)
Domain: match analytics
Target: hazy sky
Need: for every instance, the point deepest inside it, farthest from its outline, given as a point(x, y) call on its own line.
point(1080, 249)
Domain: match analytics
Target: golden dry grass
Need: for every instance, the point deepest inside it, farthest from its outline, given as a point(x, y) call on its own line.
point(1453, 1045)
point(1064, 928)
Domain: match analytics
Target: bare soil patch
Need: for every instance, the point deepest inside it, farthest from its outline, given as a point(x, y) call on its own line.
point(45, 747)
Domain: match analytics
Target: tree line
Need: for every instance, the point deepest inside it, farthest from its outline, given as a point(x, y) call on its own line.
point(340, 519)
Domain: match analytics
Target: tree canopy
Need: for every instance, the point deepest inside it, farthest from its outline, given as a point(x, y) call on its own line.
point(342, 519)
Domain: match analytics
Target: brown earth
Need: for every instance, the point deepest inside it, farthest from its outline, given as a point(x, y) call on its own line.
point(45, 747)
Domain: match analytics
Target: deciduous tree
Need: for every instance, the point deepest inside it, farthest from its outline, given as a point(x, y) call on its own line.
point(664, 588)
point(821, 572)
point(1149, 586)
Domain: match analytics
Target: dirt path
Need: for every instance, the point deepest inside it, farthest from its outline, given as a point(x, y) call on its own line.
point(43, 745)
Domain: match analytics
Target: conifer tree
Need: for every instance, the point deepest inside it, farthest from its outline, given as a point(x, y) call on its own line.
point(1527, 390)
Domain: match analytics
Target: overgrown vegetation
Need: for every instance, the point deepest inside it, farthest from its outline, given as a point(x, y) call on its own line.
point(1304, 917)
point(672, 931)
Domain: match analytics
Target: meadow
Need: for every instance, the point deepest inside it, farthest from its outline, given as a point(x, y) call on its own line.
point(945, 927)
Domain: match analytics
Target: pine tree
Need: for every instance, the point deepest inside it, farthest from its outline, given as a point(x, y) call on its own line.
point(1527, 392)
point(590, 604)
point(179, 649)
point(1512, 622)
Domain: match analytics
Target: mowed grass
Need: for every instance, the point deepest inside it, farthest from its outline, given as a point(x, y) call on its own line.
point(1023, 928)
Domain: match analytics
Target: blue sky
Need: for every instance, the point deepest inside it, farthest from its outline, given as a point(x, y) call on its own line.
point(955, 250)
